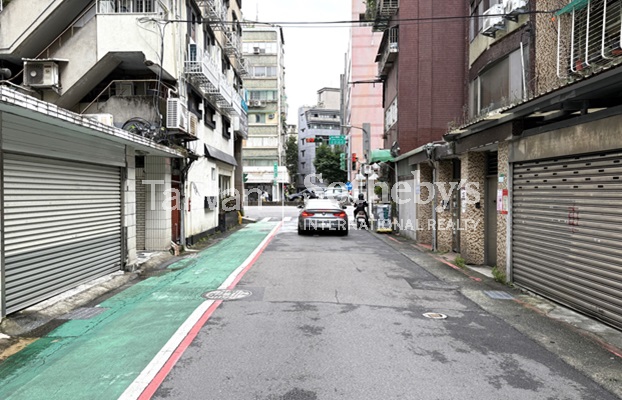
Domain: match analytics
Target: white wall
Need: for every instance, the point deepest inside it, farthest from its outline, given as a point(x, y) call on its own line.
point(158, 229)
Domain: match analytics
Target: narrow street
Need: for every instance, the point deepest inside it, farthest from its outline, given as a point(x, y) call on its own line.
point(317, 317)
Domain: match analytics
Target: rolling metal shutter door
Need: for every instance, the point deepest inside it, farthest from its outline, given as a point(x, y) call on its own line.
point(62, 226)
point(567, 232)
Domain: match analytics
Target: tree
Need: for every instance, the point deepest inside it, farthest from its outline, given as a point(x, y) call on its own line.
point(291, 157)
point(327, 163)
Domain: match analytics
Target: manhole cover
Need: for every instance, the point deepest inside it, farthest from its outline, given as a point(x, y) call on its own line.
point(227, 294)
point(498, 295)
point(435, 315)
point(84, 313)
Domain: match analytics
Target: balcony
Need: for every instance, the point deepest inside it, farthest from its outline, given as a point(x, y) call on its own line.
point(215, 12)
point(385, 9)
point(202, 69)
point(389, 49)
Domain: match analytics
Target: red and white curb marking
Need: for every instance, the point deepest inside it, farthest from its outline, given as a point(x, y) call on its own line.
point(150, 379)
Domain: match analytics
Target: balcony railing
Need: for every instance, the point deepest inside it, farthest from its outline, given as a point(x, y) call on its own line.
point(203, 69)
point(215, 12)
point(390, 49)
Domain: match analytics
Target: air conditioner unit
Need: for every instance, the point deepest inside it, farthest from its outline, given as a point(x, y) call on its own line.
point(41, 74)
point(493, 20)
point(255, 50)
point(235, 123)
point(270, 116)
point(176, 114)
point(193, 124)
point(106, 119)
point(513, 8)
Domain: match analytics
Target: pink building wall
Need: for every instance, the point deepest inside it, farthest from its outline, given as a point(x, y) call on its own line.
point(365, 98)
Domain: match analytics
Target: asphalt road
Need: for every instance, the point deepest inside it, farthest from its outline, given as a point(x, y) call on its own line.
point(343, 318)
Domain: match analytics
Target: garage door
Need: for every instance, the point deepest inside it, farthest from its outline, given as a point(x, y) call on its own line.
point(62, 226)
point(567, 230)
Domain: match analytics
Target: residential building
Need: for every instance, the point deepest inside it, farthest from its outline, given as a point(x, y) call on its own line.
point(263, 47)
point(421, 62)
point(537, 152)
point(362, 89)
point(315, 126)
point(123, 120)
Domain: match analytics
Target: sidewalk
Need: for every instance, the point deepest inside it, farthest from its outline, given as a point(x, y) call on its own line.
point(590, 346)
point(98, 355)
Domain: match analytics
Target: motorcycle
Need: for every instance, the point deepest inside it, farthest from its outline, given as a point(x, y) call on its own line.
point(361, 220)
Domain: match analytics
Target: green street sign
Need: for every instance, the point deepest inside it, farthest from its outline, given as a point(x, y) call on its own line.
point(337, 140)
point(276, 170)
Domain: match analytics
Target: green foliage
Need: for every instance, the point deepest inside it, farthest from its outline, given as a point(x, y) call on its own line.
point(291, 157)
point(327, 163)
point(461, 262)
point(370, 11)
point(499, 275)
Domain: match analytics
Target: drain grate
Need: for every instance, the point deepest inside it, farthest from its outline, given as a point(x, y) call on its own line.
point(84, 313)
point(498, 295)
point(223, 294)
point(434, 315)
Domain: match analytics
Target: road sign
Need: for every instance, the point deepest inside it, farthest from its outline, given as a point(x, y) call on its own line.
point(337, 140)
point(349, 185)
point(276, 170)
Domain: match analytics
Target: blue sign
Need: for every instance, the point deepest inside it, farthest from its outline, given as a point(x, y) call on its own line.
point(349, 185)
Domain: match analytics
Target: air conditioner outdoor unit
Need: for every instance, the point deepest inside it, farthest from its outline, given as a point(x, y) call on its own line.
point(493, 20)
point(40, 74)
point(270, 116)
point(255, 50)
point(193, 124)
point(513, 8)
point(106, 119)
point(176, 114)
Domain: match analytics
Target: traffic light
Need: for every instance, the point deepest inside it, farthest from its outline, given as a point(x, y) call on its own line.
point(354, 160)
point(245, 177)
point(315, 139)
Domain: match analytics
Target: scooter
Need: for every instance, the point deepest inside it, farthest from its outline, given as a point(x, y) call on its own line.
point(361, 220)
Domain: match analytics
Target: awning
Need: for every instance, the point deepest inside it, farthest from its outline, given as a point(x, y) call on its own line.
point(212, 152)
point(573, 5)
point(380, 155)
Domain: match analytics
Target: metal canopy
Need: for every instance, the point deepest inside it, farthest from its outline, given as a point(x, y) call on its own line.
point(380, 155)
point(219, 155)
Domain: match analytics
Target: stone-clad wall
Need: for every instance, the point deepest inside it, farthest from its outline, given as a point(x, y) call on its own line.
point(472, 239)
point(444, 231)
point(502, 219)
point(424, 211)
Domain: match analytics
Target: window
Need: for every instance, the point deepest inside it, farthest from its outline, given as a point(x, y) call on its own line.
point(499, 85)
point(302, 153)
point(226, 126)
point(258, 118)
point(210, 115)
point(263, 71)
point(265, 95)
point(477, 10)
point(259, 47)
point(594, 33)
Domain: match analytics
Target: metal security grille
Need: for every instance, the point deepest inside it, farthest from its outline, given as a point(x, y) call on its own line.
point(567, 230)
point(62, 226)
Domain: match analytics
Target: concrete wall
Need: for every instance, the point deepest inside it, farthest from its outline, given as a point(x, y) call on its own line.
point(503, 219)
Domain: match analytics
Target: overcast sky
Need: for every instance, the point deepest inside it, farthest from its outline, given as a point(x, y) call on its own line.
point(314, 57)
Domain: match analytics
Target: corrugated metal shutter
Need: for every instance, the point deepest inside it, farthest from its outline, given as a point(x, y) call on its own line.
point(62, 226)
point(567, 230)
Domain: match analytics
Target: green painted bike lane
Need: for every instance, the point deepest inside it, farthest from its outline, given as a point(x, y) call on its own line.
point(100, 357)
